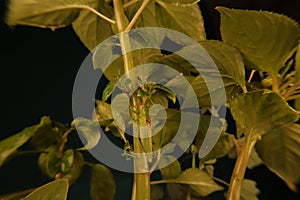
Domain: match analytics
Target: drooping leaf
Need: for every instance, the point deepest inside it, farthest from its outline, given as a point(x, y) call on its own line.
point(198, 181)
point(49, 162)
point(280, 151)
point(216, 132)
point(90, 130)
point(157, 192)
point(261, 111)
point(167, 92)
point(9, 145)
point(259, 37)
point(44, 13)
point(249, 190)
point(76, 168)
point(92, 29)
point(102, 183)
point(173, 170)
point(297, 69)
point(57, 190)
point(186, 19)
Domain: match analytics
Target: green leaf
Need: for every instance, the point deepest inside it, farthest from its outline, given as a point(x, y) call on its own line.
point(47, 133)
point(16, 195)
point(228, 60)
point(9, 145)
point(57, 190)
point(182, 2)
point(76, 168)
point(249, 190)
point(102, 183)
point(224, 143)
point(92, 29)
point(173, 170)
point(198, 181)
point(185, 19)
point(261, 112)
point(157, 192)
point(280, 151)
point(259, 37)
point(44, 13)
point(176, 191)
point(90, 130)
point(231, 68)
point(159, 98)
point(66, 161)
point(148, 16)
point(108, 90)
point(49, 162)
point(167, 92)
point(297, 69)
point(169, 130)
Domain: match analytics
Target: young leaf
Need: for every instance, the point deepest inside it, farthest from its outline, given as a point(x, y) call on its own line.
point(259, 36)
point(108, 90)
point(66, 161)
point(185, 19)
point(9, 145)
point(280, 151)
point(48, 162)
point(249, 190)
point(102, 183)
point(45, 13)
point(76, 168)
point(92, 29)
point(57, 190)
point(198, 181)
point(90, 130)
point(268, 111)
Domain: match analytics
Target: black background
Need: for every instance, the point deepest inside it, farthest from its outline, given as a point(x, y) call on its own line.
point(38, 68)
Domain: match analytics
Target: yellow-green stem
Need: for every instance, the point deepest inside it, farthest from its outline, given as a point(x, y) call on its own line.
point(238, 173)
point(141, 185)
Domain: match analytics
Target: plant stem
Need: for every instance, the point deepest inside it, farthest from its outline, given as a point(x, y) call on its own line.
point(91, 10)
point(238, 173)
point(275, 85)
point(251, 75)
point(141, 185)
point(137, 15)
point(126, 5)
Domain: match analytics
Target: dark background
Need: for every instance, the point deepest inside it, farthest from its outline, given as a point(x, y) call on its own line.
point(38, 68)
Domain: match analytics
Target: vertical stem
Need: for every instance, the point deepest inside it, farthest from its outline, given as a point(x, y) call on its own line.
point(237, 177)
point(141, 186)
point(275, 85)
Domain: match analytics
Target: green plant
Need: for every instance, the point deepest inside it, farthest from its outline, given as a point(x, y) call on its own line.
point(265, 108)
